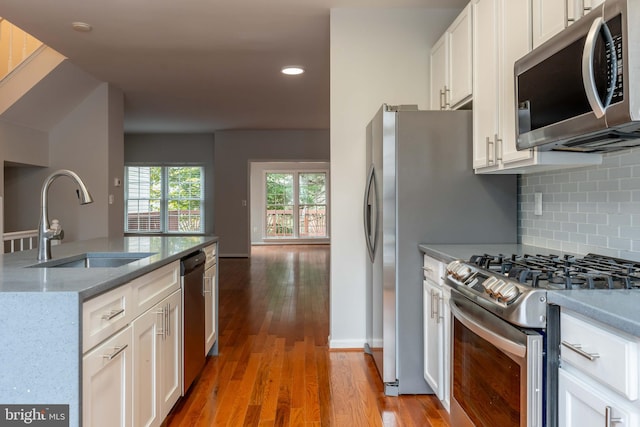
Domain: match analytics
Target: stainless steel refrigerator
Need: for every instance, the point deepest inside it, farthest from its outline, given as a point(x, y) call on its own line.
point(420, 188)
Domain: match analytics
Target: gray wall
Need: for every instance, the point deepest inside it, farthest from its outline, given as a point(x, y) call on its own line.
point(234, 150)
point(592, 209)
point(166, 149)
point(88, 141)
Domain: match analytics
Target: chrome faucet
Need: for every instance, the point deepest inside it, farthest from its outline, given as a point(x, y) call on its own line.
point(45, 233)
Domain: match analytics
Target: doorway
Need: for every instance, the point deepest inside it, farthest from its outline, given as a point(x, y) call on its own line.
point(289, 203)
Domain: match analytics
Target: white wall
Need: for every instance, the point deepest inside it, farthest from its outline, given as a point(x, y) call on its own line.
point(377, 56)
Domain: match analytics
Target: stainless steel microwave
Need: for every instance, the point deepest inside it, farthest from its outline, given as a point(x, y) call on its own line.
point(580, 90)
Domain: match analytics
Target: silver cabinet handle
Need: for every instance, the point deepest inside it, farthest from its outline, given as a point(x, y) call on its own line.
point(441, 99)
point(113, 313)
point(608, 419)
point(117, 351)
point(432, 310)
point(204, 289)
point(490, 161)
point(578, 349)
point(168, 316)
point(498, 148)
point(161, 330)
point(446, 98)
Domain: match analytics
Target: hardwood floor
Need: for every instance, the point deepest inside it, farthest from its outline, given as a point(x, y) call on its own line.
point(274, 367)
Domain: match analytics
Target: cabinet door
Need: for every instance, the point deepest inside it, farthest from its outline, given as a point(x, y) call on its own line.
point(147, 336)
point(106, 382)
point(433, 338)
point(171, 354)
point(582, 404)
point(210, 283)
point(439, 67)
point(485, 81)
point(515, 42)
point(460, 58)
point(549, 18)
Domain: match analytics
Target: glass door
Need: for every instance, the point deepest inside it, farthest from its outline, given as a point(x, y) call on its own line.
point(296, 205)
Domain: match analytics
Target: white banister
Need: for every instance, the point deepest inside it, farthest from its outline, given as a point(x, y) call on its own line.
point(20, 240)
point(16, 46)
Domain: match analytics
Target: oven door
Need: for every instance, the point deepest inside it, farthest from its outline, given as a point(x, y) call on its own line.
point(496, 370)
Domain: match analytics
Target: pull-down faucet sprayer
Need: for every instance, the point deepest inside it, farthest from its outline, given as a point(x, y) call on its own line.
point(45, 233)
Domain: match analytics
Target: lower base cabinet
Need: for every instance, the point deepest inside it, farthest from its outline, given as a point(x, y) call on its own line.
point(582, 404)
point(157, 356)
point(106, 382)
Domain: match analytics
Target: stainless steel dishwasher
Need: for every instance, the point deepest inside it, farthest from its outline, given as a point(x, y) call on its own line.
point(192, 271)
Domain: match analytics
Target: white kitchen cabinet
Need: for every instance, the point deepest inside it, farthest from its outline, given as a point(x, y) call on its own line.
point(107, 382)
point(210, 290)
point(552, 16)
point(132, 340)
point(598, 375)
point(437, 330)
point(581, 404)
point(157, 356)
point(451, 64)
point(502, 34)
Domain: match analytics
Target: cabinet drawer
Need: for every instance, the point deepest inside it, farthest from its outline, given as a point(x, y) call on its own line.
point(104, 315)
point(603, 353)
point(433, 269)
point(153, 287)
point(210, 252)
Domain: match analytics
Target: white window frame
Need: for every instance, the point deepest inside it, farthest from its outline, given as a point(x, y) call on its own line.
point(296, 228)
point(164, 199)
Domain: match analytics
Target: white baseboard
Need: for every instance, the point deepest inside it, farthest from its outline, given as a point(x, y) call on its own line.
point(346, 344)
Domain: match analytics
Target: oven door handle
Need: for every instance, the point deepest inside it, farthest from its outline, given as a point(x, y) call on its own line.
point(485, 331)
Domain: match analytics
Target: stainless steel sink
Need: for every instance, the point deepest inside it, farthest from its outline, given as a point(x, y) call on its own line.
point(95, 260)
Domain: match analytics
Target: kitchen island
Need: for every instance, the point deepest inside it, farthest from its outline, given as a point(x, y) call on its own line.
point(41, 316)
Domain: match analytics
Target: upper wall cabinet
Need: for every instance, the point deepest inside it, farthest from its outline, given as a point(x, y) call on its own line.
point(502, 33)
point(552, 16)
point(451, 59)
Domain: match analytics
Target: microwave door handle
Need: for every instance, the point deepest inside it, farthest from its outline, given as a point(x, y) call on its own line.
point(588, 78)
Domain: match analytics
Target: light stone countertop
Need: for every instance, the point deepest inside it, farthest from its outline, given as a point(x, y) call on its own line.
point(618, 308)
point(16, 274)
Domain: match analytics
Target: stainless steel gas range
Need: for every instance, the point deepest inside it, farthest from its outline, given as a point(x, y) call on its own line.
point(505, 336)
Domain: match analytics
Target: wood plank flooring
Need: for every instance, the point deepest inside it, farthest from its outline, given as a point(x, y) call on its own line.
point(275, 367)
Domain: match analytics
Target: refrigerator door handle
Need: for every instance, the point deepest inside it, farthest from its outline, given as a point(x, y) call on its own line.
point(370, 209)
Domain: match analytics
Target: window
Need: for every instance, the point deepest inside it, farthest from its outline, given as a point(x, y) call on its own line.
point(296, 205)
point(164, 199)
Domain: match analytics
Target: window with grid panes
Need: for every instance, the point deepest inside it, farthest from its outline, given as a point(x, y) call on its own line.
point(164, 199)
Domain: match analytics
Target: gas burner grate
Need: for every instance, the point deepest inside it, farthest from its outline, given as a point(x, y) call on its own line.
point(552, 271)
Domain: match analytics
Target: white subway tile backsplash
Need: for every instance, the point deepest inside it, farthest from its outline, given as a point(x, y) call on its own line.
point(593, 209)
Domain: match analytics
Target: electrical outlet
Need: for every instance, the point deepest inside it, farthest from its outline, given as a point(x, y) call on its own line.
point(537, 204)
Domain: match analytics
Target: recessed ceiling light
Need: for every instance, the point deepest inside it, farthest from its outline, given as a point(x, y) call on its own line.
point(82, 27)
point(292, 70)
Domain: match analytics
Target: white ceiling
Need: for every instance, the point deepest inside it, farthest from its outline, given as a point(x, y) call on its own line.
point(202, 65)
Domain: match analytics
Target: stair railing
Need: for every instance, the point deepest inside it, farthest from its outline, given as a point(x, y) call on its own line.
point(16, 46)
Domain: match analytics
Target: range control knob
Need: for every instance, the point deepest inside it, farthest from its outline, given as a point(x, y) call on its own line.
point(458, 270)
point(509, 293)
